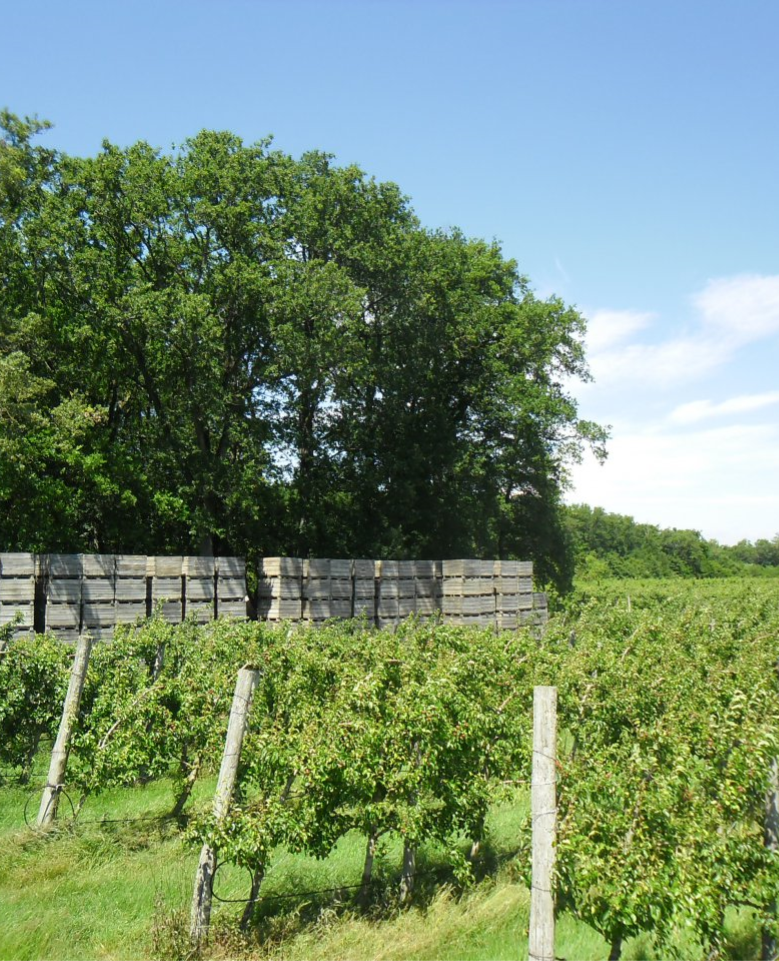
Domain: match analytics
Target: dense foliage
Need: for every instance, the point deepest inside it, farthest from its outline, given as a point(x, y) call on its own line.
point(33, 681)
point(668, 703)
point(614, 545)
point(225, 348)
point(671, 698)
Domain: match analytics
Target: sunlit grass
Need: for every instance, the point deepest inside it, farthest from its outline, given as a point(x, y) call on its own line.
point(108, 890)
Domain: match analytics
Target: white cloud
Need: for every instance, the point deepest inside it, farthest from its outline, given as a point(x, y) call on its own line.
point(673, 459)
point(743, 308)
point(661, 365)
point(698, 410)
point(730, 313)
point(605, 328)
point(720, 481)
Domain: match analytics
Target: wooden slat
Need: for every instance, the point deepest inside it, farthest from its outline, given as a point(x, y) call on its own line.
point(426, 605)
point(171, 611)
point(281, 567)
point(168, 567)
point(316, 609)
point(341, 569)
point(364, 605)
point(200, 567)
point(318, 590)
point(341, 608)
point(17, 565)
point(97, 565)
point(317, 568)
point(63, 565)
point(62, 615)
point(231, 589)
point(166, 588)
point(199, 589)
point(284, 609)
point(280, 587)
point(8, 613)
point(231, 567)
point(63, 592)
point(406, 606)
point(132, 589)
point(94, 590)
point(129, 613)
point(130, 565)
point(17, 590)
point(99, 615)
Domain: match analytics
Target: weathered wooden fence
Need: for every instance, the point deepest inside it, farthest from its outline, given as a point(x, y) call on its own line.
point(71, 594)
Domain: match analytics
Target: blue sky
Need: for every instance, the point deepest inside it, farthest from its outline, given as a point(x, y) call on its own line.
point(626, 154)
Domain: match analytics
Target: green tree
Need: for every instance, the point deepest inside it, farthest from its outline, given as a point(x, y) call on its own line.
point(228, 349)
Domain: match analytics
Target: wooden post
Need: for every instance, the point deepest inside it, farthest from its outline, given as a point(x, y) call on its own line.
point(544, 815)
point(59, 756)
point(200, 916)
point(770, 949)
point(769, 946)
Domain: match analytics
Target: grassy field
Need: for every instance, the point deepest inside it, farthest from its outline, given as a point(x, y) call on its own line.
point(110, 888)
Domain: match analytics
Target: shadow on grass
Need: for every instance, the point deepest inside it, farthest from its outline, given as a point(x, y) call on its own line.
point(300, 907)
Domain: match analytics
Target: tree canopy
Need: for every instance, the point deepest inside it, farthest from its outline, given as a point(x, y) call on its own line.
point(615, 545)
point(224, 348)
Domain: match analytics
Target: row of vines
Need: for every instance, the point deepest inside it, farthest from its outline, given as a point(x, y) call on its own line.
point(668, 711)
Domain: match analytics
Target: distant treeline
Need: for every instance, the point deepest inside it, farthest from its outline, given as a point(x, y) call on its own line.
point(615, 545)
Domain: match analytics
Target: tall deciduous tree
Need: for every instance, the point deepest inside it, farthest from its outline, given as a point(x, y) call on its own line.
point(226, 348)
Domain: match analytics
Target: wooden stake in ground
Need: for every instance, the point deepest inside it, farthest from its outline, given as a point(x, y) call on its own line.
point(770, 948)
point(544, 815)
point(200, 917)
point(59, 756)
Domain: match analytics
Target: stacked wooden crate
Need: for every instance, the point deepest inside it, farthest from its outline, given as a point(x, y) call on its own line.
point(427, 588)
point(364, 589)
point(538, 617)
point(513, 592)
point(17, 591)
point(199, 588)
point(280, 591)
point(388, 593)
point(61, 575)
point(468, 592)
point(341, 588)
point(98, 591)
point(231, 587)
point(317, 590)
point(131, 588)
point(407, 592)
point(95, 592)
point(167, 588)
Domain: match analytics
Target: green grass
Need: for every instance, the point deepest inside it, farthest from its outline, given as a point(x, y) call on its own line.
point(104, 890)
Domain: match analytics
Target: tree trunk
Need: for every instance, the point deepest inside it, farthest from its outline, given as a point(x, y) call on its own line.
point(367, 871)
point(186, 790)
point(305, 448)
point(615, 950)
point(254, 895)
point(407, 875)
point(29, 760)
